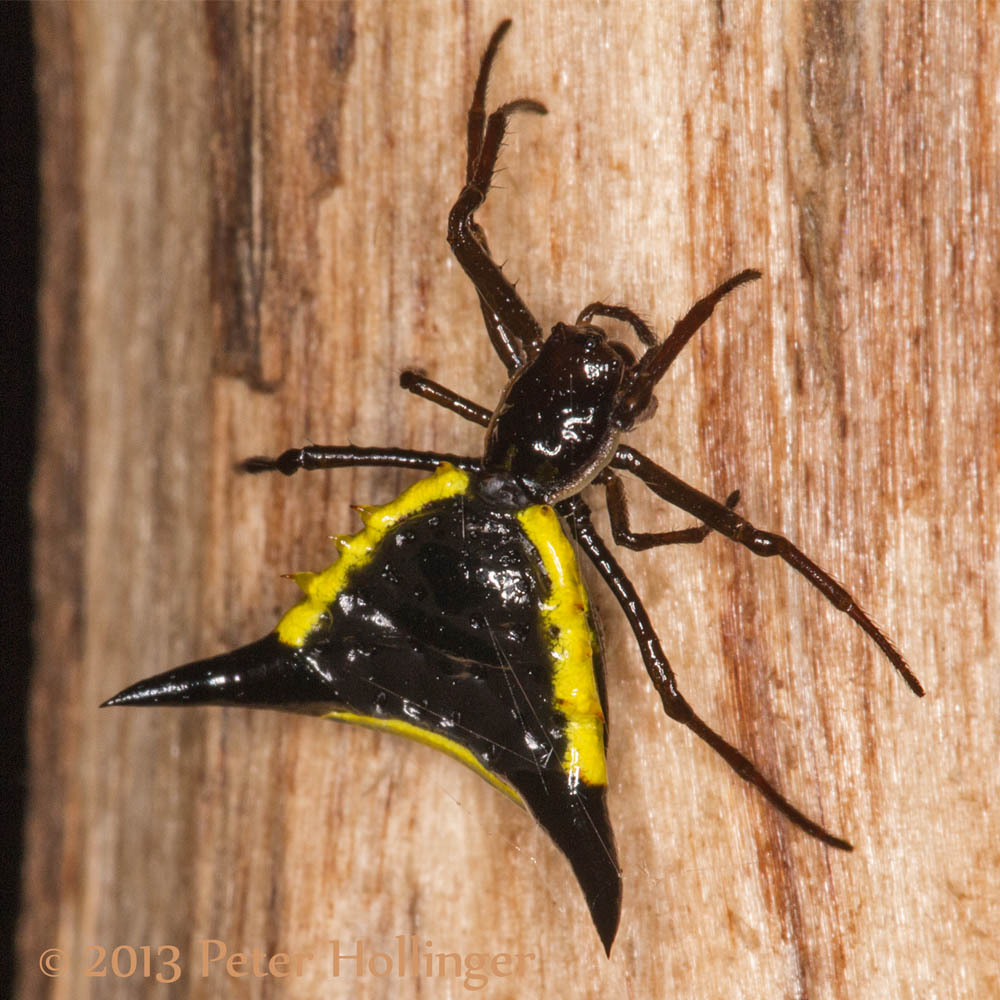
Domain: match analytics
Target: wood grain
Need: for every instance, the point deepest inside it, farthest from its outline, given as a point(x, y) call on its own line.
point(243, 224)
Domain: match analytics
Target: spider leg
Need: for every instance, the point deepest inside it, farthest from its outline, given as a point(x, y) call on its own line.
point(514, 332)
point(623, 313)
point(420, 385)
point(639, 541)
point(763, 543)
point(653, 364)
point(577, 514)
point(504, 344)
point(322, 456)
point(476, 122)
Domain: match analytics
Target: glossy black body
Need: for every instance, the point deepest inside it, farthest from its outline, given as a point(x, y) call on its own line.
point(554, 428)
point(441, 628)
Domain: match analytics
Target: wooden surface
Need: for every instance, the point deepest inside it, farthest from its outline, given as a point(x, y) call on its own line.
point(244, 242)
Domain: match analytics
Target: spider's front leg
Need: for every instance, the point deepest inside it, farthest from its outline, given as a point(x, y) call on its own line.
point(426, 388)
point(514, 332)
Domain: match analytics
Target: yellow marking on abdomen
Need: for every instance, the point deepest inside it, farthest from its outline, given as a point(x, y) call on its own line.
point(431, 739)
point(356, 551)
point(571, 646)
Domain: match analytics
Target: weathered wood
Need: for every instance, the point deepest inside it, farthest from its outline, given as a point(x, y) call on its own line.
point(244, 220)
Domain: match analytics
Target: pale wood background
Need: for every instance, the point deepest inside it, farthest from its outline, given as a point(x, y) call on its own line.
point(244, 232)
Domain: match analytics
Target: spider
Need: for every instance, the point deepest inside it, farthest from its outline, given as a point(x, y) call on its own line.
point(457, 617)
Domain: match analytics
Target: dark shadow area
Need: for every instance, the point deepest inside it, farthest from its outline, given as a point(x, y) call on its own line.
point(19, 243)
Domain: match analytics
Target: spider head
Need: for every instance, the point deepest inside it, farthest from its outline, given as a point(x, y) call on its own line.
point(561, 416)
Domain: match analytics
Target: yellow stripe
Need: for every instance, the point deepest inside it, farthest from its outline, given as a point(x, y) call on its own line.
point(565, 618)
point(430, 739)
point(321, 589)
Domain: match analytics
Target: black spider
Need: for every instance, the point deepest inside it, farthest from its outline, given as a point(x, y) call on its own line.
point(457, 616)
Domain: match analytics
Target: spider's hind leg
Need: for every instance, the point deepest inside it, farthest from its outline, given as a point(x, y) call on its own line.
point(639, 541)
point(762, 543)
point(661, 674)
